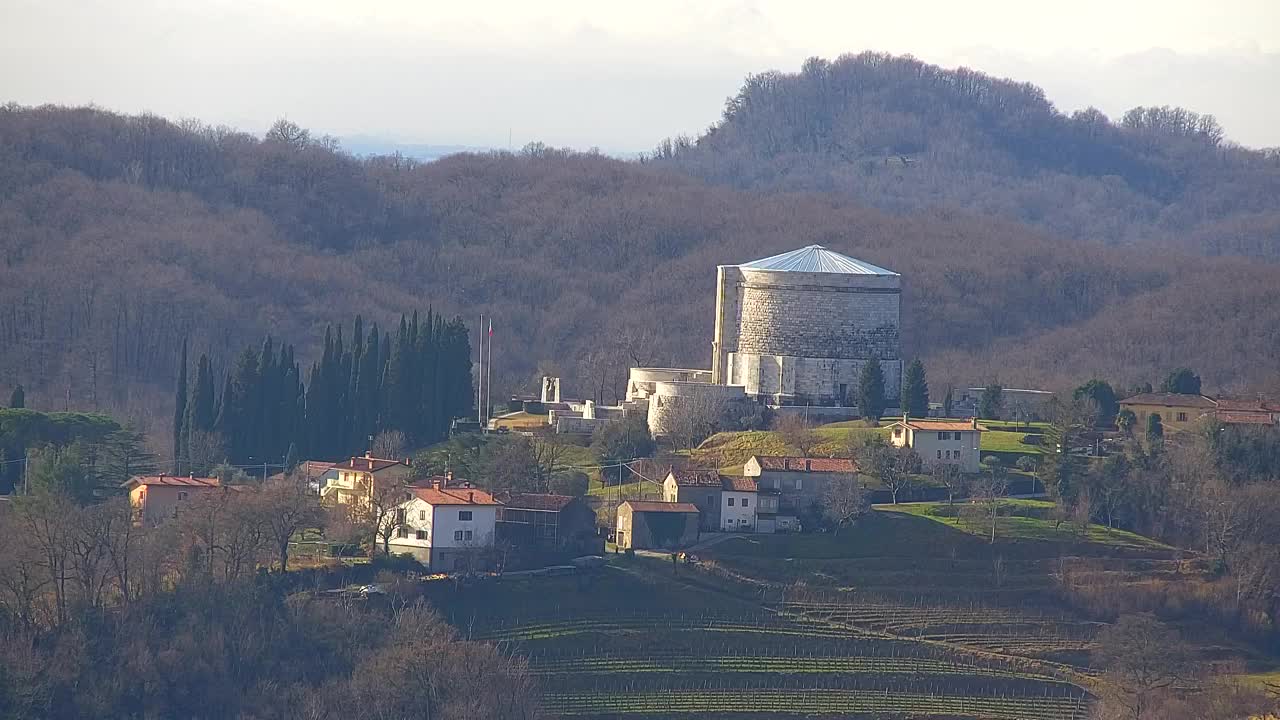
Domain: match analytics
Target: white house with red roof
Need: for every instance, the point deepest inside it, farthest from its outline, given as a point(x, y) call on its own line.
point(446, 528)
point(937, 442)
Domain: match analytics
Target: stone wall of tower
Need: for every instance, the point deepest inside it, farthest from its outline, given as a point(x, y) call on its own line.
point(818, 315)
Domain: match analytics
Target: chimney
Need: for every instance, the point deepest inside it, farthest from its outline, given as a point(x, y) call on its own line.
point(448, 477)
point(408, 462)
point(368, 453)
point(471, 497)
point(192, 476)
point(973, 423)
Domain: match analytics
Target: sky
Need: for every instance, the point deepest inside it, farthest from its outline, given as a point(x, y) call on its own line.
point(618, 76)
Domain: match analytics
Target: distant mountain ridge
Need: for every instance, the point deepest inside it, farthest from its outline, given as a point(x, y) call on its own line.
point(121, 236)
point(901, 135)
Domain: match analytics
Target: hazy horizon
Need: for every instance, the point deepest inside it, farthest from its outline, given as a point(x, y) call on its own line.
point(498, 74)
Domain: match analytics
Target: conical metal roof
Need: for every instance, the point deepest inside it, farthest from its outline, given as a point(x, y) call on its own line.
point(815, 258)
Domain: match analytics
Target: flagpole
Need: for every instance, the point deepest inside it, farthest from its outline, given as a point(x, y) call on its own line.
point(488, 376)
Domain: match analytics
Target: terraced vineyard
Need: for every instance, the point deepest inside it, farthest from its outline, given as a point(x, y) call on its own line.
point(901, 616)
point(649, 664)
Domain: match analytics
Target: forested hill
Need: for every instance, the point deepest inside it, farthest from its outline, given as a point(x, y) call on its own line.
point(120, 236)
point(901, 135)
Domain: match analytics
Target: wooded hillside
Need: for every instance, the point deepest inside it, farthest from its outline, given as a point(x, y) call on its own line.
point(122, 235)
point(901, 135)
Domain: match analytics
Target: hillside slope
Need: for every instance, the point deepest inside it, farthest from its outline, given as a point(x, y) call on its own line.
point(122, 235)
point(901, 135)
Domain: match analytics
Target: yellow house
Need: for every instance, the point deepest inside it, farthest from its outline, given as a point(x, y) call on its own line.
point(1177, 411)
point(157, 498)
point(359, 478)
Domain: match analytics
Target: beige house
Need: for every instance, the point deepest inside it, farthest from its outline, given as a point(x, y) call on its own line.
point(646, 525)
point(939, 442)
point(1177, 411)
point(158, 498)
point(358, 479)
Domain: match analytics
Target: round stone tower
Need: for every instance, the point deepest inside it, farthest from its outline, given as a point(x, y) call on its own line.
point(797, 328)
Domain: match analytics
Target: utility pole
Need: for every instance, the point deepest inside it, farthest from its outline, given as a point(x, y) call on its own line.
point(480, 373)
point(26, 472)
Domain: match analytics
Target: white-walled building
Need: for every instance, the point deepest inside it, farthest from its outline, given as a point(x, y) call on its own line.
point(951, 442)
point(725, 503)
point(445, 528)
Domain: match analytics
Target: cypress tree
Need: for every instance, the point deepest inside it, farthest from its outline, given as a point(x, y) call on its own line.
point(180, 413)
point(871, 401)
point(947, 402)
point(18, 399)
point(240, 408)
point(915, 390)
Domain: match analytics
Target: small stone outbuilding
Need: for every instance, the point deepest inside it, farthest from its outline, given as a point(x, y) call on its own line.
point(647, 525)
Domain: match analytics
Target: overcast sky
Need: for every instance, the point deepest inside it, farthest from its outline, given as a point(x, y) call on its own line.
point(614, 75)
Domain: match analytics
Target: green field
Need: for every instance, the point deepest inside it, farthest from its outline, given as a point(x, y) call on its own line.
point(1029, 520)
point(1007, 442)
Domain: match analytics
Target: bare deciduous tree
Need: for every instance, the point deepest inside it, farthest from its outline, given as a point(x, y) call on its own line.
point(987, 491)
point(845, 500)
point(389, 444)
point(797, 431)
point(693, 418)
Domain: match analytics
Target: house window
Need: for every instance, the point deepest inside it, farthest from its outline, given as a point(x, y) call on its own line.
point(939, 454)
point(457, 535)
point(466, 535)
point(422, 514)
point(897, 432)
point(182, 494)
point(400, 515)
point(711, 500)
point(402, 532)
point(1182, 417)
point(746, 502)
point(730, 502)
point(464, 514)
point(421, 535)
point(944, 436)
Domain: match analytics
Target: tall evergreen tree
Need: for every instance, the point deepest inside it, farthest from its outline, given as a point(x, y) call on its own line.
point(871, 402)
point(18, 398)
point(947, 402)
point(915, 390)
point(241, 408)
point(180, 414)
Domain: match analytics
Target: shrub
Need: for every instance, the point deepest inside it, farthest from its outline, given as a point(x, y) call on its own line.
point(1026, 463)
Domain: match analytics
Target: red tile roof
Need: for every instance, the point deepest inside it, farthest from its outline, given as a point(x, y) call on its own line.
point(173, 481)
point(697, 478)
point(738, 484)
point(1170, 400)
point(1243, 417)
point(942, 425)
point(367, 464)
point(453, 496)
point(538, 501)
point(1252, 404)
point(651, 506)
point(779, 463)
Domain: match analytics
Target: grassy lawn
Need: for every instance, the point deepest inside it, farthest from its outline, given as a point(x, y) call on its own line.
point(1010, 442)
point(521, 421)
point(728, 450)
point(629, 491)
point(1027, 520)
